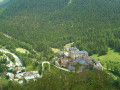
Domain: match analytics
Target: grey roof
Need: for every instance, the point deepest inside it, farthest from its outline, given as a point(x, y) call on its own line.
point(73, 48)
point(86, 57)
point(96, 60)
point(71, 67)
point(61, 52)
point(80, 61)
point(79, 52)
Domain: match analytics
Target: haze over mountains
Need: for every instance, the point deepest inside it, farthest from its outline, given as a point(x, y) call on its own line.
point(53, 23)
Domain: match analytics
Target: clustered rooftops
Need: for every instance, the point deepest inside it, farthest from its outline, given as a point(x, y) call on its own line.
point(73, 48)
point(79, 52)
point(71, 67)
point(72, 56)
point(81, 61)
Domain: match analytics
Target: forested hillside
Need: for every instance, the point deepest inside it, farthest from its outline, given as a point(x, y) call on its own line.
point(12, 44)
point(92, 24)
point(58, 79)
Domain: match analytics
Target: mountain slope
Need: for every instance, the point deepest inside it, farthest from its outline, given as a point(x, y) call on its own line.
point(91, 24)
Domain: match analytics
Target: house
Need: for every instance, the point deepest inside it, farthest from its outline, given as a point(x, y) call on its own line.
point(66, 54)
point(11, 75)
point(61, 54)
point(71, 68)
point(16, 80)
point(76, 54)
point(64, 62)
point(27, 75)
point(5, 73)
point(69, 50)
point(55, 59)
point(80, 61)
point(88, 59)
point(97, 65)
point(19, 75)
point(19, 69)
point(10, 64)
point(72, 49)
point(31, 75)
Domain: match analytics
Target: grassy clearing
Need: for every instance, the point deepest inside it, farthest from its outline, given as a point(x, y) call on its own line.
point(22, 50)
point(111, 55)
point(30, 68)
point(1, 57)
point(68, 45)
point(55, 50)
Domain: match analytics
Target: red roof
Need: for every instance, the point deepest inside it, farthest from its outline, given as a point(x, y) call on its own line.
point(63, 61)
point(4, 73)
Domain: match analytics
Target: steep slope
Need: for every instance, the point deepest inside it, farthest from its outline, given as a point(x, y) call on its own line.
point(41, 7)
point(91, 24)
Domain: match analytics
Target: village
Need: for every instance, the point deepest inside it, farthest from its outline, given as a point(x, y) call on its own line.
point(66, 60)
point(15, 71)
point(71, 57)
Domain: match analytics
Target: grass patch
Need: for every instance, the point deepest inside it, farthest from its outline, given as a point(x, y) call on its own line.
point(22, 50)
point(30, 68)
point(111, 55)
point(68, 45)
point(1, 56)
point(55, 50)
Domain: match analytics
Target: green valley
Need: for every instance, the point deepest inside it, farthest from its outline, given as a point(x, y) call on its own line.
point(38, 31)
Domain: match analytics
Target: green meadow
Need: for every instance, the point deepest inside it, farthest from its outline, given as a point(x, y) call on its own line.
point(111, 55)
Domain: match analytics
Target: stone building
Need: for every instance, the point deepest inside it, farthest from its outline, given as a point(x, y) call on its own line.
point(68, 51)
point(76, 54)
point(64, 62)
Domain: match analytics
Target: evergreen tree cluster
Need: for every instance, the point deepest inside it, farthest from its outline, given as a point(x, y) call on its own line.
point(114, 67)
point(63, 81)
point(92, 24)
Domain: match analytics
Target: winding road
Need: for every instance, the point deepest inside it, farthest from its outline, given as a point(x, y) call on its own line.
point(18, 61)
